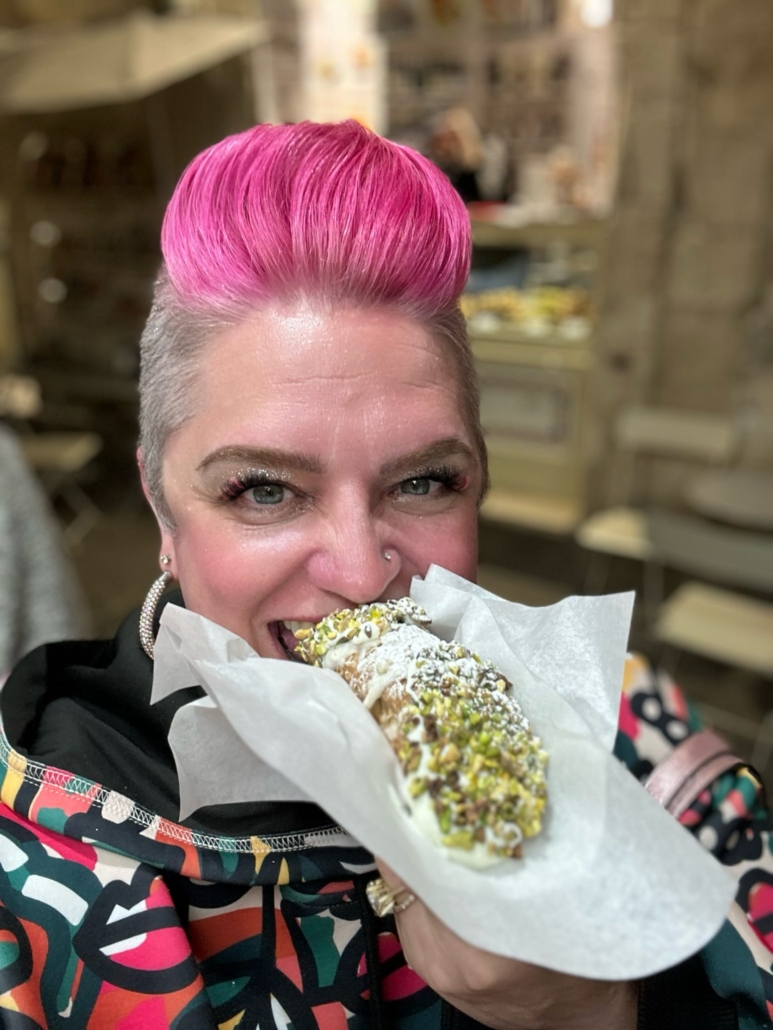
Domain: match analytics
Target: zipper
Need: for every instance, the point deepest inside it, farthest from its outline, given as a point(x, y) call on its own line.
point(372, 962)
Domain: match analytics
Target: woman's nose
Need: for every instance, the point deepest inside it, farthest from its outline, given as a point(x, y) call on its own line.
point(353, 562)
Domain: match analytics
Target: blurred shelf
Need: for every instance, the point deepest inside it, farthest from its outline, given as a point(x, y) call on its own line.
point(585, 232)
point(118, 60)
point(100, 121)
point(533, 397)
point(509, 348)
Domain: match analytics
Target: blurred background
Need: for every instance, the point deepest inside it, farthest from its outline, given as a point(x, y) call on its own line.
point(618, 166)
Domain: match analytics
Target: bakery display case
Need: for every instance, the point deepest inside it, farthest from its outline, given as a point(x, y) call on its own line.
point(510, 63)
point(515, 101)
point(530, 306)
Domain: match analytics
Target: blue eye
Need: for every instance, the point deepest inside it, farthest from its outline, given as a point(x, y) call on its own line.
point(267, 493)
point(417, 487)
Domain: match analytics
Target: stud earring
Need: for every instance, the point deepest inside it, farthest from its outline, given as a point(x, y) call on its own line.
point(148, 611)
point(387, 556)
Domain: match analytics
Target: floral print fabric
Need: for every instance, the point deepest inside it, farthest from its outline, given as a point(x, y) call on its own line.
point(114, 919)
point(731, 820)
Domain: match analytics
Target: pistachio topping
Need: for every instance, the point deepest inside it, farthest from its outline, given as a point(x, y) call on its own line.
point(366, 623)
point(470, 759)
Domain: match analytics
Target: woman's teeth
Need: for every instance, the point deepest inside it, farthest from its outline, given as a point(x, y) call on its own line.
point(295, 626)
point(290, 633)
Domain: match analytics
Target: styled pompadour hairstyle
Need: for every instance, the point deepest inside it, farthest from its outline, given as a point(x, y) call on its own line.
point(327, 214)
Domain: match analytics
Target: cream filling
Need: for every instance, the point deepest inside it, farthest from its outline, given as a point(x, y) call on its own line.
point(423, 815)
point(393, 661)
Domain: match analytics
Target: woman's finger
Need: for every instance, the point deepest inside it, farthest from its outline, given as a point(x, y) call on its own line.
point(388, 874)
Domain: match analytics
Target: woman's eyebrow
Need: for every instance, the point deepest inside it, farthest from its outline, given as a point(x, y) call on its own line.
point(427, 456)
point(262, 457)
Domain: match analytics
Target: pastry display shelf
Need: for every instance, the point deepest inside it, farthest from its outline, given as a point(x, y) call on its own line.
point(511, 344)
point(534, 395)
point(578, 232)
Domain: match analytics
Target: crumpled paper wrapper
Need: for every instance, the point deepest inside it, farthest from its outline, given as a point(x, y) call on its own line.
point(612, 888)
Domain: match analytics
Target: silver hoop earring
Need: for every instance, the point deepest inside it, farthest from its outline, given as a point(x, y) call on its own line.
point(387, 556)
point(148, 612)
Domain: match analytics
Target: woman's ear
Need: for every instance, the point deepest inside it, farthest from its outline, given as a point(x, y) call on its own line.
point(143, 480)
point(167, 537)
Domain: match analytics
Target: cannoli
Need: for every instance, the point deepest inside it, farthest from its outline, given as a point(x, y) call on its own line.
point(473, 770)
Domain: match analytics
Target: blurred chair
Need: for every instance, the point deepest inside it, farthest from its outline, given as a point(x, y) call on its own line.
point(739, 496)
point(60, 459)
point(546, 513)
point(19, 397)
point(720, 554)
point(647, 432)
point(709, 620)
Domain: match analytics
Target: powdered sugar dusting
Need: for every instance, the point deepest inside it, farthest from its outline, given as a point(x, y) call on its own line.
point(474, 770)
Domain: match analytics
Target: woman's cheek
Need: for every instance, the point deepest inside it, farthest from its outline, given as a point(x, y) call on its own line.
point(228, 572)
point(451, 542)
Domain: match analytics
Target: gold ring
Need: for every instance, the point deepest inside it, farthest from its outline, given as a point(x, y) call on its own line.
point(386, 900)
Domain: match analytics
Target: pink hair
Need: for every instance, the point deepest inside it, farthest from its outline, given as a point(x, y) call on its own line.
point(327, 213)
point(332, 211)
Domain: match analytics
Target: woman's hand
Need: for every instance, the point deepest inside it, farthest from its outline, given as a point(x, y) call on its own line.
point(500, 992)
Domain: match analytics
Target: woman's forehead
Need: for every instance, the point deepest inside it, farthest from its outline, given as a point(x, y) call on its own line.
point(283, 378)
point(309, 337)
point(280, 355)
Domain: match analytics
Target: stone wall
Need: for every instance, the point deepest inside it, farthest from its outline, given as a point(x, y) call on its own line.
point(687, 320)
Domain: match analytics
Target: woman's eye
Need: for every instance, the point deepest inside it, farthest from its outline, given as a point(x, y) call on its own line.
point(267, 493)
point(416, 487)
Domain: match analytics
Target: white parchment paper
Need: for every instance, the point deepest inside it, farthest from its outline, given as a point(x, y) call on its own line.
point(613, 887)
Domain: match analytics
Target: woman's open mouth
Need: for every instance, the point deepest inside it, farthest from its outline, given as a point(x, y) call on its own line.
point(284, 634)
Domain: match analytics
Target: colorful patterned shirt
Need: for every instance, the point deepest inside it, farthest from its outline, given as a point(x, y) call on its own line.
point(113, 917)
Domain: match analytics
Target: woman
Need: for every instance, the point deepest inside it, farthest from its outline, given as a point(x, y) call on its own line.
point(309, 439)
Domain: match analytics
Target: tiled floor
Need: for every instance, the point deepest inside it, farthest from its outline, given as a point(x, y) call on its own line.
point(118, 561)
